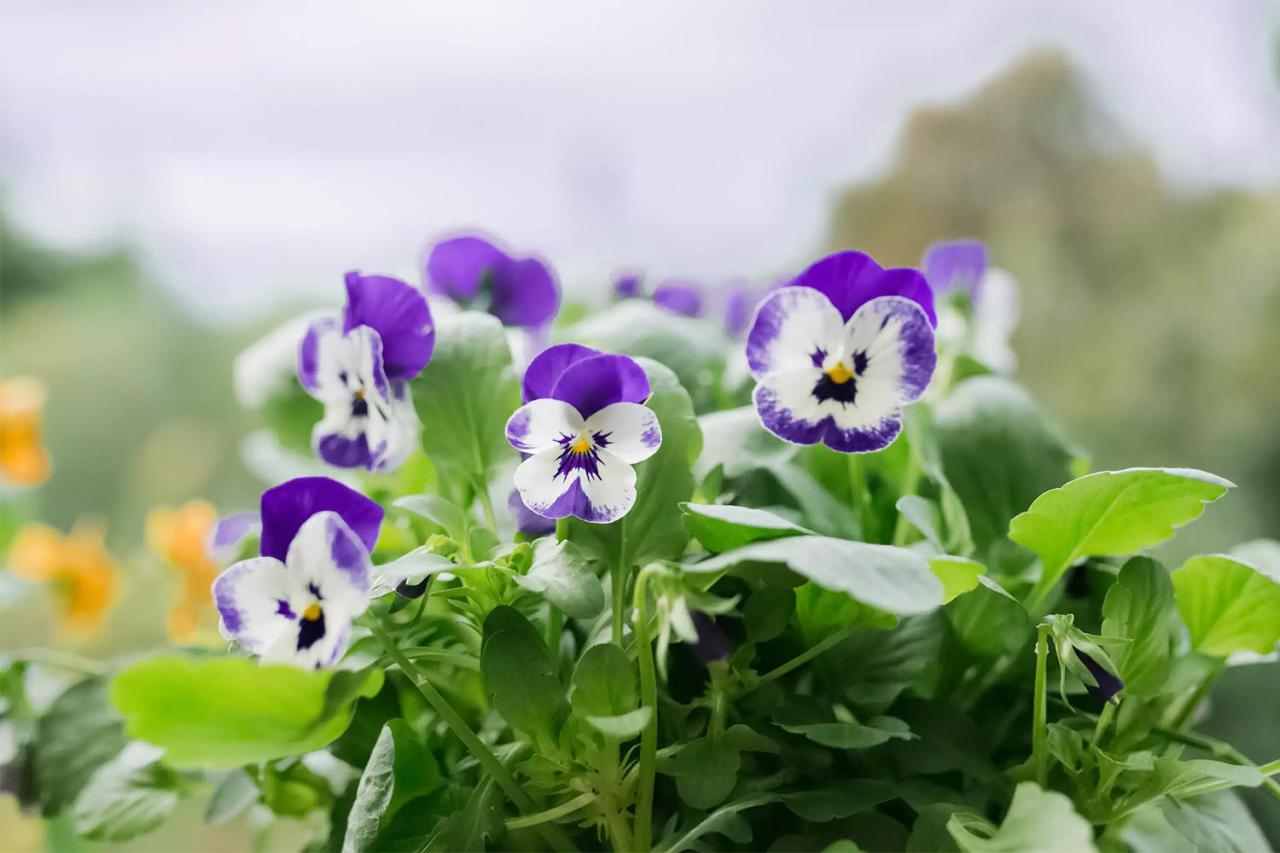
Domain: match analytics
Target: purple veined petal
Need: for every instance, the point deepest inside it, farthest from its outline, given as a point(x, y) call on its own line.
point(399, 313)
point(609, 496)
point(457, 266)
point(230, 531)
point(629, 431)
point(542, 425)
point(287, 507)
point(955, 265)
point(626, 285)
point(525, 292)
point(392, 429)
point(890, 344)
point(794, 327)
point(679, 297)
point(593, 383)
point(329, 561)
point(851, 279)
point(253, 601)
point(787, 408)
point(1106, 683)
point(528, 522)
point(333, 366)
point(553, 489)
point(317, 357)
point(545, 368)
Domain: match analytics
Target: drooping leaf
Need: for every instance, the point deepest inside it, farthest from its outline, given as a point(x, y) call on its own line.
point(78, 734)
point(223, 712)
point(466, 395)
point(1139, 608)
point(958, 575)
point(400, 769)
point(1228, 605)
point(128, 796)
point(519, 675)
point(1112, 512)
point(1037, 820)
point(654, 528)
point(722, 527)
point(562, 576)
point(893, 579)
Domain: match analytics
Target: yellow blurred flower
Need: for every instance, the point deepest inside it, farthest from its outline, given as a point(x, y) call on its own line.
point(181, 537)
point(76, 565)
point(23, 458)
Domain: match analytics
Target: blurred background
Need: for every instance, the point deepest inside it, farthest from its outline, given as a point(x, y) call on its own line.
point(177, 179)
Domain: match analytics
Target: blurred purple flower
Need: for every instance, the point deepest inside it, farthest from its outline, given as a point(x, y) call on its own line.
point(626, 285)
point(713, 644)
point(955, 265)
point(679, 297)
point(476, 273)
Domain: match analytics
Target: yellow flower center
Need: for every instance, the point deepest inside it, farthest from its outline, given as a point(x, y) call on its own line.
point(839, 374)
point(581, 445)
point(312, 613)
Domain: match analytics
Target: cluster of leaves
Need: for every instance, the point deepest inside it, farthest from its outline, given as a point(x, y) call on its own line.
point(818, 651)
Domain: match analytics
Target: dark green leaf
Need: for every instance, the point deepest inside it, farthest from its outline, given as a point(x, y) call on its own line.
point(79, 733)
point(561, 575)
point(706, 771)
point(721, 527)
point(768, 611)
point(840, 800)
point(400, 769)
point(853, 735)
point(604, 684)
point(519, 676)
point(988, 621)
point(1139, 608)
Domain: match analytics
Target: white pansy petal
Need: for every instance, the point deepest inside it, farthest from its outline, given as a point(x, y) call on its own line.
point(393, 429)
point(629, 431)
point(795, 327)
point(324, 651)
point(790, 409)
point(611, 495)
point(543, 424)
point(328, 562)
point(325, 358)
point(544, 489)
point(890, 343)
point(254, 603)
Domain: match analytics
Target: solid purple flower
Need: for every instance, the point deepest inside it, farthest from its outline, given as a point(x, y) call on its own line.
point(399, 313)
point(286, 507)
point(852, 279)
point(679, 297)
point(955, 265)
point(475, 272)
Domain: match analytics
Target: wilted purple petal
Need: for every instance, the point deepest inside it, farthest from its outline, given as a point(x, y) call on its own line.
point(679, 297)
point(287, 507)
point(955, 265)
point(399, 314)
point(852, 279)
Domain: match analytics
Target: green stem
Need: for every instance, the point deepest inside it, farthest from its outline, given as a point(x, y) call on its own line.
point(62, 660)
point(910, 482)
point(1189, 705)
point(859, 495)
point(1104, 720)
point(481, 752)
point(1040, 716)
point(618, 587)
point(648, 698)
point(562, 529)
point(486, 504)
point(564, 809)
point(555, 625)
point(806, 656)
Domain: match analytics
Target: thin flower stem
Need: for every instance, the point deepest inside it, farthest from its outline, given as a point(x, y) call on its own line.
point(859, 495)
point(478, 749)
point(910, 482)
point(564, 809)
point(648, 698)
point(486, 504)
point(618, 587)
point(562, 529)
point(1040, 715)
point(806, 656)
point(1189, 705)
point(1104, 720)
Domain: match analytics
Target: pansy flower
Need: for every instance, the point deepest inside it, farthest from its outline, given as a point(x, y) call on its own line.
point(23, 458)
point(839, 352)
point(679, 297)
point(583, 426)
point(476, 273)
point(295, 603)
point(1083, 656)
point(627, 285)
point(75, 565)
point(359, 365)
point(181, 537)
point(958, 268)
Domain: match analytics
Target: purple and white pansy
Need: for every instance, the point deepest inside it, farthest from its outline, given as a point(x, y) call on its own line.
point(359, 365)
point(476, 273)
point(838, 352)
point(983, 327)
point(295, 603)
point(583, 426)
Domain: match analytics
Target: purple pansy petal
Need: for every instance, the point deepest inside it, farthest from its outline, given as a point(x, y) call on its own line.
point(230, 531)
point(785, 410)
point(343, 451)
point(630, 431)
point(955, 265)
point(310, 374)
point(543, 371)
point(679, 297)
point(327, 556)
point(525, 292)
point(851, 279)
point(399, 314)
point(795, 327)
point(738, 308)
point(529, 523)
point(712, 645)
point(896, 344)
point(252, 598)
point(542, 424)
point(626, 285)
point(456, 267)
point(593, 383)
point(548, 490)
point(287, 507)
point(1106, 685)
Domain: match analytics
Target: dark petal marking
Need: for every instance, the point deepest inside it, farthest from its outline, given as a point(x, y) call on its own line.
point(404, 589)
point(843, 393)
point(343, 452)
point(779, 420)
point(315, 591)
point(1108, 684)
point(283, 609)
point(818, 356)
point(359, 406)
point(860, 362)
point(310, 632)
point(713, 644)
point(572, 460)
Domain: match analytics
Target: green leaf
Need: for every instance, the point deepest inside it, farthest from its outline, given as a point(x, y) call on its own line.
point(1218, 822)
point(1228, 605)
point(767, 613)
point(653, 529)
point(958, 575)
point(840, 800)
point(720, 527)
point(479, 818)
point(892, 579)
point(735, 442)
point(235, 793)
point(78, 734)
point(924, 516)
point(400, 769)
point(519, 676)
point(128, 796)
point(821, 612)
point(706, 771)
point(1112, 512)
point(822, 511)
point(999, 452)
point(439, 511)
point(622, 726)
point(989, 622)
point(852, 735)
point(604, 684)
point(1139, 608)
point(561, 575)
point(1037, 820)
point(223, 712)
point(466, 395)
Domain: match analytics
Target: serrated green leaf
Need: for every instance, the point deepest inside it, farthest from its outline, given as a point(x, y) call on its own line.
point(1139, 608)
point(561, 575)
point(1228, 605)
point(1111, 512)
point(519, 676)
point(721, 527)
point(223, 712)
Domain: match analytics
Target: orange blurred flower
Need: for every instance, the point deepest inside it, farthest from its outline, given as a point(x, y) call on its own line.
point(75, 564)
point(181, 537)
point(23, 458)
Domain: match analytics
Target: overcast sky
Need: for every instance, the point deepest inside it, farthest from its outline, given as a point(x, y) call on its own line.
point(255, 150)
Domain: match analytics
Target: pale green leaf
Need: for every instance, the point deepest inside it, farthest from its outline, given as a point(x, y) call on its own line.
point(720, 527)
point(561, 575)
point(130, 795)
point(399, 770)
point(1228, 605)
point(1037, 820)
point(958, 575)
point(1139, 608)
